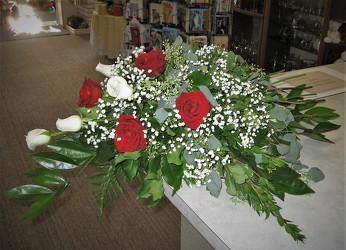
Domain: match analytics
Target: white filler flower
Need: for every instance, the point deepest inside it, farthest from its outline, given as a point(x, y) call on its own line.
point(69, 124)
point(37, 137)
point(118, 87)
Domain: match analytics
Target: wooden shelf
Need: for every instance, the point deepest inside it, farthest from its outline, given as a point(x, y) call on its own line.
point(247, 12)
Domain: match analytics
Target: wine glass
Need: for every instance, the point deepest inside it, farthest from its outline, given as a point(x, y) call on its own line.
point(285, 33)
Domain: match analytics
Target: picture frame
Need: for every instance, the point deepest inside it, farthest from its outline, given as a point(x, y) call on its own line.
point(222, 24)
point(198, 41)
point(134, 8)
point(183, 17)
point(223, 6)
point(155, 10)
point(169, 12)
point(156, 38)
point(198, 20)
point(221, 41)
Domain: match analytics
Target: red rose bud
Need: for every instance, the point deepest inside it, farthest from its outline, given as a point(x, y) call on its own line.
point(153, 63)
point(129, 135)
point(89, 93)
point(192, 107)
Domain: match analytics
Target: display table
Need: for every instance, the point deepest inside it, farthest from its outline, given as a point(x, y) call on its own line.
point(321, 216)
point(107, 35)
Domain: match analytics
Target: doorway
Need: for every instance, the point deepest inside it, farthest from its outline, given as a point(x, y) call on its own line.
point(28, 18)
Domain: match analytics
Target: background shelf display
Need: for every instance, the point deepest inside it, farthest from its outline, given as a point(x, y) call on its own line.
point(273, 34)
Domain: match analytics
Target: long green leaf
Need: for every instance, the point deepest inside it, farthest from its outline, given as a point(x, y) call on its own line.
point(28, 192)
point(54, 160)
point(325, 127)
point(74, 150)
point(283, 173)
point(45, 176)
point(38, 206)
point(295, 187)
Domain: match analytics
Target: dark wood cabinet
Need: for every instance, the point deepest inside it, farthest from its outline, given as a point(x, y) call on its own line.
point(281, 35)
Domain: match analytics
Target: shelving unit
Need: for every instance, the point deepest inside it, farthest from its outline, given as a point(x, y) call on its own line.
point(249, 30)
point(275, 35)
point(282, 33)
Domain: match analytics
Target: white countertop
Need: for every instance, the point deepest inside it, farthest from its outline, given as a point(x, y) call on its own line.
point(321, 216)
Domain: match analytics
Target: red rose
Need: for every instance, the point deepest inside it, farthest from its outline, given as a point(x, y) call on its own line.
point(129, 135)
point(152, 62)
point(89, 94)
point(193, 107)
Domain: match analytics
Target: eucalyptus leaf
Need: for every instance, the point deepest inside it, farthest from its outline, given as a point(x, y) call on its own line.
point(191, 56)
point(282, 114)
point(253, 76)
point(214, 143)
point(178, 40)
point(208, 95)
point(283, 149)
point(161, 115)
point(316, 174)
point(294, 153)
point(189, 158)
point(258, 158)
point(298, 166)
point(214, 184)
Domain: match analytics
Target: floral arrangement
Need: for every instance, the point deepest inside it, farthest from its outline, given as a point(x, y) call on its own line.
point(200, 116)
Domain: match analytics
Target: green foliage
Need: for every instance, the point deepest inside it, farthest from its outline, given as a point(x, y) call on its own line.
point(172, 173)
point(74, 150)
point(55, 161)
point(46, 177)
point(107, 185)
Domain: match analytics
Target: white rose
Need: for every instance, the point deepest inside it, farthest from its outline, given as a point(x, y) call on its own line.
point(37, 137)
point(69, 124)
point(118, 87)
point(104, 69)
